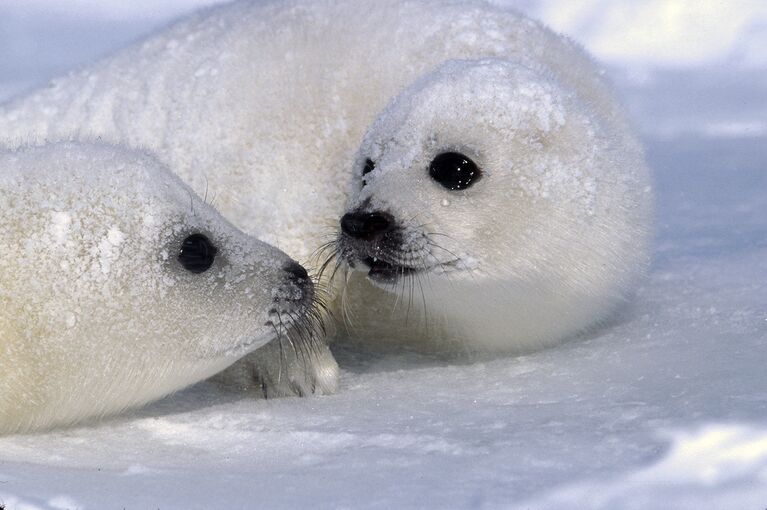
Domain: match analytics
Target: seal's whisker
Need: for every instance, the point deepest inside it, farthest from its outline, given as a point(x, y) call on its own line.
point(339, 263)
point(303, 346)
point(410, 221)
point(287, 337)
point(423, 295)
point(323, 248)
point(278, 338)
point(423, 300)
point(333, 257)
point(471, 274)
point(398, 295)
point(191, 202)
point(346, 313)
point(316, 315)
point(435, 245)
point(429, 234)
point(446, 274)
point(410, 295)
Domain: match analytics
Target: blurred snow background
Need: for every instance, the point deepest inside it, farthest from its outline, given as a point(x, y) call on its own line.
point(666, 408)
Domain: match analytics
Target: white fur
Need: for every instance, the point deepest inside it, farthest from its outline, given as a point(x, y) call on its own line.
point(97, 314)
point(549, 239)
point(263, 105)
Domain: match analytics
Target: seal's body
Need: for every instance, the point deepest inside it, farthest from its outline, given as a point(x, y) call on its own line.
point(120, 286)
point(263, 106)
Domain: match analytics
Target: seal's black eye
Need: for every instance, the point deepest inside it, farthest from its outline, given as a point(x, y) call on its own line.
point(197, 253)
point(369, 166)
point(454, 171)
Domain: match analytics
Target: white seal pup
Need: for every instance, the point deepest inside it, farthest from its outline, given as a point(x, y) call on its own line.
point(118, 285)
point(264, 104)
point(508, 211)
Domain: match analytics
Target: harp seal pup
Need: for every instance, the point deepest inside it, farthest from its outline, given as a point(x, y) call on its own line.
point(264, 104)
point(497, 207)
point(118, 285)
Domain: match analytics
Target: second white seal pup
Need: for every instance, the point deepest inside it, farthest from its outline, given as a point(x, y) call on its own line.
point(118, 285)
point(499, 207)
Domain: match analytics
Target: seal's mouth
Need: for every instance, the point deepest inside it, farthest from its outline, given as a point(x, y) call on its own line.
point(387, 273)
point(372, 242)
point(383, 272)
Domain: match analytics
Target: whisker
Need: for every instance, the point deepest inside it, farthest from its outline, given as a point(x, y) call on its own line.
point(346, 310)
point(423, 301)
point(321, 249)
point(435, 245)
point(429, 234)
point(410, 295)
point(305, 342)
point(321, 272)
point(283, 359)
point(339, 263)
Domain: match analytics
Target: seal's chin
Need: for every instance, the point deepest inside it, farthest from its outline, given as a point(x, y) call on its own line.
point(384, 273)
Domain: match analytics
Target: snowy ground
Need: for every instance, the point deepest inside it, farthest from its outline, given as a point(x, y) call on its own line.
point(665, 408)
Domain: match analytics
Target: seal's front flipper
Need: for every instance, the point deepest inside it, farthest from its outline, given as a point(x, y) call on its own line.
point(285, 367)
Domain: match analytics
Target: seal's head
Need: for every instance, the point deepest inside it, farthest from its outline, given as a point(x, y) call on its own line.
point(119, 285)
point(520, 211)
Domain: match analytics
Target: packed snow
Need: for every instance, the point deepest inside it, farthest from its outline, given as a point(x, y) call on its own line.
point(665, 407)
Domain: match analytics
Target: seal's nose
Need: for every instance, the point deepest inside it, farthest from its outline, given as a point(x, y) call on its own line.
point(366, 225)
point(296, 270)
point(297, 291)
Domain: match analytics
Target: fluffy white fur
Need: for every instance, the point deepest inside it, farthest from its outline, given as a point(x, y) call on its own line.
point(264, 104)
point(97, 314)
point(546, 242)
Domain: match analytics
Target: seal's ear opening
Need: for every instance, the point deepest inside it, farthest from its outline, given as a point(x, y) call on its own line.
point(197, 253)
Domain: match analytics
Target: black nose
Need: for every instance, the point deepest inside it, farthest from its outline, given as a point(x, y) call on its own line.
point(366, 225)
point(296, 270)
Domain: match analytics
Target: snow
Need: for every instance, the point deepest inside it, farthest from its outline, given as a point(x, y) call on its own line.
point(663, 408)
point(664, 32)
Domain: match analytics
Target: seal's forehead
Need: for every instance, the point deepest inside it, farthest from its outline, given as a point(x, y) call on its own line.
point(486, 77)
point(79, 167)
point(93, 183)
point(504, 94)
point(108, 171)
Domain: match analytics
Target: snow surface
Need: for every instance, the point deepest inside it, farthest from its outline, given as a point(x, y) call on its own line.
point(664, 408)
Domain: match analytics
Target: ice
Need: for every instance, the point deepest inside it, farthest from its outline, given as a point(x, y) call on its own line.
point(664, 408)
